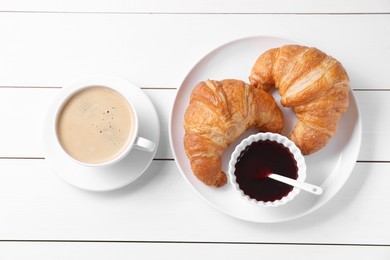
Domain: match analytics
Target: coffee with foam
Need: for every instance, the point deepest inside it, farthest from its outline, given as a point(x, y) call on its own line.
point(95, 125)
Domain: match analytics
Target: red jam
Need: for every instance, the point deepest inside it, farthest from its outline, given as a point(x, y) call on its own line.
point(256, 162)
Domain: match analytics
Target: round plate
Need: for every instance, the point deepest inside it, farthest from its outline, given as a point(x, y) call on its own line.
point(328, 168)
point(108, 177)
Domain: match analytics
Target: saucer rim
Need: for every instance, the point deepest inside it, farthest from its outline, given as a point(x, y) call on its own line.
point(55, 155)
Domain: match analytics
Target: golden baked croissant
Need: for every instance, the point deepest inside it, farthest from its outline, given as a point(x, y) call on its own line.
point(314, 84)
point(218, 113)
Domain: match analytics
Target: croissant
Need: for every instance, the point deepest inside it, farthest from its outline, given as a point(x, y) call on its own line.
point(314, 84)
point(218, 113)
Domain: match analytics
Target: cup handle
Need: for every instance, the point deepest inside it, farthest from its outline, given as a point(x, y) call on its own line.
point(144, 144)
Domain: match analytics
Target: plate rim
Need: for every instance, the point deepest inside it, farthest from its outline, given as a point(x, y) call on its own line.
point(358, 128)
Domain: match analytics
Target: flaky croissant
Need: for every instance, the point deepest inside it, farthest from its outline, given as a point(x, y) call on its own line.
point(314, 84)
point(218, 113)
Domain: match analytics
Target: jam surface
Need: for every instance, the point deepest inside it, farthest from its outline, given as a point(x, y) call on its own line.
point(256, 162)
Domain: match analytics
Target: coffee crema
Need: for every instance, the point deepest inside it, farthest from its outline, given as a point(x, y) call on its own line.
point(95, 125)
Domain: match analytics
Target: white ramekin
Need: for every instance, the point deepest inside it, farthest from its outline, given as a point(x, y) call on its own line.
point(300, 160)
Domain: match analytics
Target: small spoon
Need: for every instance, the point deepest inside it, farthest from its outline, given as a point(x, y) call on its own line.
point(301, 185)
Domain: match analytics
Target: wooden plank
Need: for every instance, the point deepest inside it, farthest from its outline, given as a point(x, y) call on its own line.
point(200, 6)
point(376, 129)
point(23, 112)
point(51, 49)
point(61, 250)
point(160, 206)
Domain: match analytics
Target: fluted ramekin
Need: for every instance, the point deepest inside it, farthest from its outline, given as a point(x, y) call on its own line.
point(294, 150)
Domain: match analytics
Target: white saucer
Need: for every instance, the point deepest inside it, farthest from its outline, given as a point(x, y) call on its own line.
point(109, 177)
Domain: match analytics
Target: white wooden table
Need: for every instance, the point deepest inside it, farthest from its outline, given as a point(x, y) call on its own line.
point(45, 44)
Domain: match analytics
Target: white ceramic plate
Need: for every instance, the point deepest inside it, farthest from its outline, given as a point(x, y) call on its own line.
point(328, 168)
point(108, 177)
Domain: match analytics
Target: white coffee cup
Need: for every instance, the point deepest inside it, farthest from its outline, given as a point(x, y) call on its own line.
point(96, 123)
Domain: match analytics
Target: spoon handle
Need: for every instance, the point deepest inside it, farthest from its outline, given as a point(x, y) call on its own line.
point(301, 185)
